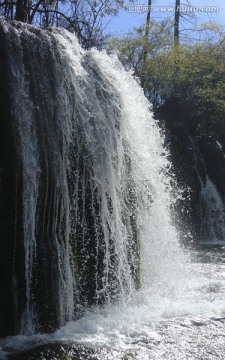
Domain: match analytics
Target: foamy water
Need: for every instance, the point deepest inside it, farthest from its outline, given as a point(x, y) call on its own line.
point(178, 322)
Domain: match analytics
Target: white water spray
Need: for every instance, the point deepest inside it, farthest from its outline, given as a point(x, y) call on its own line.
point(96, 193)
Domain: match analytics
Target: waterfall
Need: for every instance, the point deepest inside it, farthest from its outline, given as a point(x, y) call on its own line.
point(213, 214)
point(85, 185)
point(211, 200)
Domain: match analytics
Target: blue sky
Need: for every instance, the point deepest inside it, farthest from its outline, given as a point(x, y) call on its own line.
point(125, 21)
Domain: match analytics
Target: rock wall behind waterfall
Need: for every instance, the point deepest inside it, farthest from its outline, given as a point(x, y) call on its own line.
point(10, 201)
point(32, 196)
point(199, 165)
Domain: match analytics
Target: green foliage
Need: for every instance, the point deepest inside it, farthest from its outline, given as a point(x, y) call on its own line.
point(193, 88)
point(130, 48)
point(185, 84)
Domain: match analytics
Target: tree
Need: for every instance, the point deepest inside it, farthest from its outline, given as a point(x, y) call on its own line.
point(193, 89)
point(130, 47)
point(185, 84)
point(177, 23)
point(183, 14)
point(146, 38)
point(85, 18)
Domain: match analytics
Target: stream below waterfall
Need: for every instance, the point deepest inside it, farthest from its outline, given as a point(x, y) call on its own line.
point(181, 321)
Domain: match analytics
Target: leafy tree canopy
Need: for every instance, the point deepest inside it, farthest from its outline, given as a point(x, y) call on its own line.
point(185, 83)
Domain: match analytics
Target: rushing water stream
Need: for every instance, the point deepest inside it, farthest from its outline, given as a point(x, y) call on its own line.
point(100, 265)
point(183, 320)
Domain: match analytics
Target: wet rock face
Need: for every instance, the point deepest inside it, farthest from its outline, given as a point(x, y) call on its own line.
point(195, 159)
point(214, 158)
point(189, 205)
point(12, 250)
point(11, 269)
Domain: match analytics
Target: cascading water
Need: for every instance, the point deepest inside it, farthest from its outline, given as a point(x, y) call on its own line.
point(213, 214)
point(92, 174)
point(211, 202)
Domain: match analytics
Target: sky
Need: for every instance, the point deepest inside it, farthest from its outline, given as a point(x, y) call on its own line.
point(125, 20)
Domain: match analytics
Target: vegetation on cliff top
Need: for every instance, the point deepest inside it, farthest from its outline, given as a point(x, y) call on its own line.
point(184, 83)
